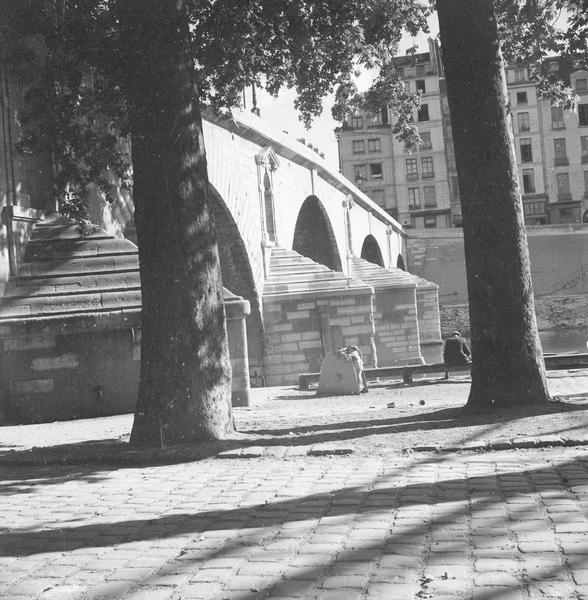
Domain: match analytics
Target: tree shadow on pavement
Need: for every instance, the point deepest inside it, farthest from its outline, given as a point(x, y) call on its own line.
point(109, 453)
point(435, 419)
point(383, 496)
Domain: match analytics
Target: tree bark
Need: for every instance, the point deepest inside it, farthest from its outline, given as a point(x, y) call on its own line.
point(184, 390)
point(508, 367)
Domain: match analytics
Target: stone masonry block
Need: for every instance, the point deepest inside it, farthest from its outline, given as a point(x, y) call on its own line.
point(65, 361)
point(359, 330)
point(299, 314)
point(289, 347)
point(343, 302)
point(311, 335)
point(309, 344)
point(291, 337)
point(31, 386)
point(29, 343)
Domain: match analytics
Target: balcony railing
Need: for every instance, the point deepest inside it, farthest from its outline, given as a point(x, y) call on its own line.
point(585, 159)
point(566, 197)
point(561, 161)
point(429, 175)
point(412, 176)
point(414, 207)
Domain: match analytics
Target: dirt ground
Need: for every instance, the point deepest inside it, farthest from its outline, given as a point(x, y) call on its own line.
point(423, 416)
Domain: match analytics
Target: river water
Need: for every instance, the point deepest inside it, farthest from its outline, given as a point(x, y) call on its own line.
point(555, 341)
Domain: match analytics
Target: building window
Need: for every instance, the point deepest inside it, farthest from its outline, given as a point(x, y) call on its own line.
point(528, 181)
point(376, 170)
point(429, 196)
point(583, 114)
point(523, 121)
point(414, 198)
point(426, 143)
point(559, 151)
point(268, 199)
point(521, 97)
point(563, 186)
point(585, 185)
point(581, 84)
point(358, 146)
point(557, 118)
point(454, 187)
point(360, 173)
point(411, 168)
point(420, 85)
point(420, 70)
point(526, 150)
point(430, 222)
point(423, 114)
point(427, 166)
point(535, 208)
point(374, 145)
point(553, 66)
point(584, 145)
point(356, 122)
point(520, 75)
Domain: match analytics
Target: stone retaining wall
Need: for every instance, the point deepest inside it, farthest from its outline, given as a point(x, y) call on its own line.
point(301, 328)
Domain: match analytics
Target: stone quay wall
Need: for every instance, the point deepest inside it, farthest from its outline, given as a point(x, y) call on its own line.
point(301, 328)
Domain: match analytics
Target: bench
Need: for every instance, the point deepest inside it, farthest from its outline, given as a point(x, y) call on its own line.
point(552, 362)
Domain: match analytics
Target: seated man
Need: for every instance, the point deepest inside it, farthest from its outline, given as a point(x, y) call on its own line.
point(456, 351)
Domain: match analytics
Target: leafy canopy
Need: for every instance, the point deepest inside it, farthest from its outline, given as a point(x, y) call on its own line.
point(76, 105)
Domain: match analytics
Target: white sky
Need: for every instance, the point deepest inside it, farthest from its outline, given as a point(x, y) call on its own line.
point(281, 115)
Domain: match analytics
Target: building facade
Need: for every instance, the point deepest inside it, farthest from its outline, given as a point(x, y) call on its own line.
point(419, 187)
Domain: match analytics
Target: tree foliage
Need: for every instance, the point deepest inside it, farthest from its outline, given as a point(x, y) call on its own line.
point(75, 106)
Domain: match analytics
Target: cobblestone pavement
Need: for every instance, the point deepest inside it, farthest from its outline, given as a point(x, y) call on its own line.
point(297, 522)
point(497, 525)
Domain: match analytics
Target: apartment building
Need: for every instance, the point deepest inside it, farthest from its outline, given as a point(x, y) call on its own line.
point(413, 186)
point(419, 188)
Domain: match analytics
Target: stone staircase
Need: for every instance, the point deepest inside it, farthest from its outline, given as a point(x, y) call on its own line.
point(379, 276)
point(65, 273)
point(292, 273)
point(70, 328)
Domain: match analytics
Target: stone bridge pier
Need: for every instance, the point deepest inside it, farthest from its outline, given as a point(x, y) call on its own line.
point(309, 264)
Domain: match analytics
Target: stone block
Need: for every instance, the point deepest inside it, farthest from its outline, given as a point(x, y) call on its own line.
point(64, 361)
point(31, 386)
point(28, 343)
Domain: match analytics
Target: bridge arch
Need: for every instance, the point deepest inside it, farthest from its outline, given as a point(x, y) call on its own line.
point(371, 252)
point(314, 236)
point(237, 276)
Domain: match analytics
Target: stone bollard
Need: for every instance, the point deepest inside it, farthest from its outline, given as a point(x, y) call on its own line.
point(236, 310)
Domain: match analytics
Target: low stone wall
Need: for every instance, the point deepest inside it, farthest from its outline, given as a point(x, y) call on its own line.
point(302, 327)
point(81, 367)
point(553, 312)
point(427, 298)
point(397, 331)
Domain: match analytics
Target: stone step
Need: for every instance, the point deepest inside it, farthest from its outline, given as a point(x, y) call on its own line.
point(334, 286)
point(310, 276)
point(297, 268)
point(41, 286)
point(88, 265)
point(61, 304)
point(380, 276)
point(43, 250)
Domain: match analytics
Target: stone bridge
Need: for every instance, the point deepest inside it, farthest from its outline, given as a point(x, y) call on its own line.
point(318, 263)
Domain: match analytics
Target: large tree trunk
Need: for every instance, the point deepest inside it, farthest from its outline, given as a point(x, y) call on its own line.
point(184, 391)
point(508, 366)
